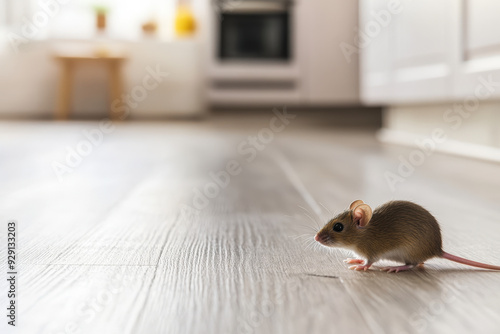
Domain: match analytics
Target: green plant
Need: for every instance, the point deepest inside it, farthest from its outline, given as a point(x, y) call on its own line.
point(100, 9)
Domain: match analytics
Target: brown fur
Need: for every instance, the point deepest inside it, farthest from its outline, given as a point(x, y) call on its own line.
point(398, 230)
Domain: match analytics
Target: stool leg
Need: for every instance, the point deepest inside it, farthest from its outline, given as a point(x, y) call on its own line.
point(63, 104)
point(115, 89)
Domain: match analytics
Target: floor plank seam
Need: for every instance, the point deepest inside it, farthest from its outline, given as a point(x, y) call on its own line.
point(372, 325)
point(135, 328)
point(108, 213)
point(296, 182)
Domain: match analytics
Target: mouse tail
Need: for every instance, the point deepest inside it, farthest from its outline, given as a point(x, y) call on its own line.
point(458, 259)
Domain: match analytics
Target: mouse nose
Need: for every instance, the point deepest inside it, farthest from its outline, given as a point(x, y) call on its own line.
point(316, 237)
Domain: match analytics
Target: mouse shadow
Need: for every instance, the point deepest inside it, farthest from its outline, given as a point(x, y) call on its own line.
point(435, 271)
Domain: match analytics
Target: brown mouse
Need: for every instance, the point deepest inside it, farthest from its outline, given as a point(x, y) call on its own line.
point(400, 231)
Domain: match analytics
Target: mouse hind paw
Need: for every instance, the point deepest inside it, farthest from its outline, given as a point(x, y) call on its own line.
point(364, 267)
point(359, 268)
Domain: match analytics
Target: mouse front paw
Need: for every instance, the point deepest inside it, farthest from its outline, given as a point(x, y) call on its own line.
point(354, 261)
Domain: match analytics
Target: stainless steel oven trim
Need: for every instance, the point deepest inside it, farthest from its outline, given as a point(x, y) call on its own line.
point(243, 6)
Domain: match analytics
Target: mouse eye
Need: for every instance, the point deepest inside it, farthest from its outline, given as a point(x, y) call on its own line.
point(338, 227)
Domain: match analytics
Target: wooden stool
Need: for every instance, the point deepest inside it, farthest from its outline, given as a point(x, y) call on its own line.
point(68, 64)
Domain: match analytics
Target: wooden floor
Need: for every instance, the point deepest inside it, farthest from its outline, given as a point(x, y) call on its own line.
point(115, 248)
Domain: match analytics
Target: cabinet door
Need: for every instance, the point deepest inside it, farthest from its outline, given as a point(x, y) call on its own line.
point(412, 50)
point(480, 51)
point(423, 39)
point(329, 77)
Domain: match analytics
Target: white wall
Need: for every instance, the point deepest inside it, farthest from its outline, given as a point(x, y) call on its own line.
point(328, 75)
point(27, 82)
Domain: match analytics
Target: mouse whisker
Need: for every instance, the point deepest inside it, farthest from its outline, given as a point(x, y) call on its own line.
point(308, 215)
point(308, 244)
point(309, 227)
point(310, 247)
point(324, 207)
point(295, 237)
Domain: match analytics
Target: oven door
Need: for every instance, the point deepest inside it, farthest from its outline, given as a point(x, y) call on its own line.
point(254, 36)
point(254, 30)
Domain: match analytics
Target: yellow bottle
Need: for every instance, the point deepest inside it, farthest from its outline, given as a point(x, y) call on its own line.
point(185, 23)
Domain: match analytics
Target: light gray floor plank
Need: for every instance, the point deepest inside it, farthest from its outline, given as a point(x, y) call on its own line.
point(110, 249)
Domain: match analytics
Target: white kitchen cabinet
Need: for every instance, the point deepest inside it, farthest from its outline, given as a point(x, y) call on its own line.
point(422, 48)
point(412, 51)
point(436, 66)
point(480, 56)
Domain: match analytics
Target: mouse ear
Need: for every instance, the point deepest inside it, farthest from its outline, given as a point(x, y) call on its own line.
point(355, 204)
point(362, 213)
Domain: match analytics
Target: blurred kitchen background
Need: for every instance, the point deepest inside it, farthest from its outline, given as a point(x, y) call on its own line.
point(217, 53)
point(415, 59)
point(237, 128)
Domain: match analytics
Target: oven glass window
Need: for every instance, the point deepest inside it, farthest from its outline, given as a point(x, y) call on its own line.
point(262, 36)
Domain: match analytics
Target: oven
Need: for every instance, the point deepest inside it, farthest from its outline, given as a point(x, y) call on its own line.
point(253, 53)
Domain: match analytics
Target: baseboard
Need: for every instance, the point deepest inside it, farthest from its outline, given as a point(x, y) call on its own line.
point(450, 146)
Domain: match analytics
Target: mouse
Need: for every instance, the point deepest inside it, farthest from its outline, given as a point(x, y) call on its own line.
point(400, 231)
